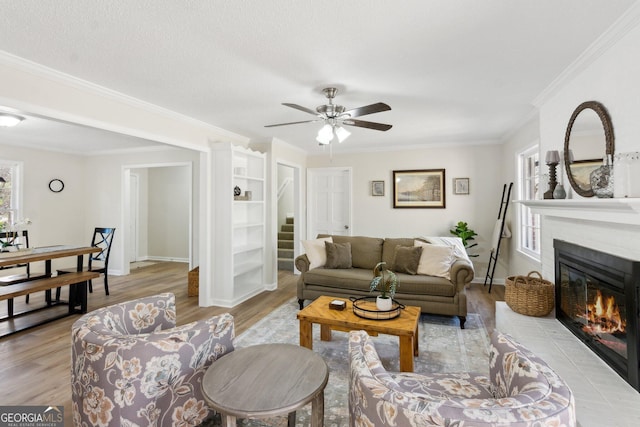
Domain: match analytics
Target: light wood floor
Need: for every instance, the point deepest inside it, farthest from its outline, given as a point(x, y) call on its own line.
point(35, 364)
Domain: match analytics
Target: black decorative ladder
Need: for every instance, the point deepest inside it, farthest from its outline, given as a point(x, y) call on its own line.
point(495, 252)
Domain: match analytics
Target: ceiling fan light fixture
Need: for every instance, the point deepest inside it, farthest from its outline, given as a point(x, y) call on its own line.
point(325, 134)
point(341, 133)
point(9, 120)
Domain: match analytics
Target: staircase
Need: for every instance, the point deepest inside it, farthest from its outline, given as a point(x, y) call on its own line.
point(285, 246)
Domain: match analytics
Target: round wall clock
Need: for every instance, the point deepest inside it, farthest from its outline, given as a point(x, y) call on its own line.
point(56, 185)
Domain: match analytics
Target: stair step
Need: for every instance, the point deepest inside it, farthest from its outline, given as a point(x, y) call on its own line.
point(285, 235)
point(285, 244)
point(285, 264)
point(285, 253)
point(287, 228)
point(289, 220)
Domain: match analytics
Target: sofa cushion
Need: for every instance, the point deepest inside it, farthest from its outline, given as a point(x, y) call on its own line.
point(406, 259)
point(359, 279)
point(435, 260)
point(366, 252)
point(389, 247)
point(409, 284)
point(316, 252)
point(338, 255)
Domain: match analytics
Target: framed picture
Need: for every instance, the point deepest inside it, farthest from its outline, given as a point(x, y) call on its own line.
point(377, 188)
point(461, 186)
point(581, 171)
point(419, 189)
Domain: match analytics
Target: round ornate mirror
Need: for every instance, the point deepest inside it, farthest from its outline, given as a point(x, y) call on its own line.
point(589, 139)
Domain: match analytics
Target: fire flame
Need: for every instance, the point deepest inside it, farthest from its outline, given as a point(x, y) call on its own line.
point(603, 316)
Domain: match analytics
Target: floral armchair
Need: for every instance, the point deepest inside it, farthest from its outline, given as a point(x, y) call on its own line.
point(521, 391)
point(130, 365)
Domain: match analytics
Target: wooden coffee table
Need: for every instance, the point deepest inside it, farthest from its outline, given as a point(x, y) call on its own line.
point(266, 380)
point(405, 326)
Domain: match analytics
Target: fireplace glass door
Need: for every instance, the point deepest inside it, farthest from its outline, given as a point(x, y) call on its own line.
point(595, 312)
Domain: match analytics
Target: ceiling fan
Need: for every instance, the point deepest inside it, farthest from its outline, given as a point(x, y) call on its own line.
point(335, 116)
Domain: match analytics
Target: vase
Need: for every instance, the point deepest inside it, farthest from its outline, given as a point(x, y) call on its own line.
point(384, 303)
point(602, 180)
point(559, 192)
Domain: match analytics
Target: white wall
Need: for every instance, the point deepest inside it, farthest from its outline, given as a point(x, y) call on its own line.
point(607, 73)
point(57, 218)
point(513, 261)
point(375, 216)
point(103, 202)
point(169, 199)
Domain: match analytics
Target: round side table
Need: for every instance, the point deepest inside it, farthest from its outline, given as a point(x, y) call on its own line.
point(266, 380)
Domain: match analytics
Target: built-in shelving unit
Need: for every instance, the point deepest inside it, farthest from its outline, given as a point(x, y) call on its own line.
point(240, 222)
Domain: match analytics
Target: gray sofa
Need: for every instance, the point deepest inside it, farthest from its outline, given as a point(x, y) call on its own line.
point(435, 295)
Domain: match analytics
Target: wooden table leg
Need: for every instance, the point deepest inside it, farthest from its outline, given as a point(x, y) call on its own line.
point(317, 410)
point(291, 422)
point(228, 420)
point(325, 333)
point(406, 353)
point(306, 334)
point(415, 341)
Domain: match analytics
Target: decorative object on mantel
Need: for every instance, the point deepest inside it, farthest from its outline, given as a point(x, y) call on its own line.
point(626, 175)
point(602, 180)
point(237, 191)
point(528, 295)
point(559, 192)
point(552, 159)
point(589, 137)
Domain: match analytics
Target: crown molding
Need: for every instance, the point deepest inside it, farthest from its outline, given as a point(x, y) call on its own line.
point(620, 28)
point(39, 70)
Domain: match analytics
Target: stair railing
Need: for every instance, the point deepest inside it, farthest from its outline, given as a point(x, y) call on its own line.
point(283, 187)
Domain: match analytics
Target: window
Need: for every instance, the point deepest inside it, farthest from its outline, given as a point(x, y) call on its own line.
point(9, 200)
point(529, 188)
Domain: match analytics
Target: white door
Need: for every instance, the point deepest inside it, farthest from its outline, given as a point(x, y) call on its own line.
point(134, 202)
point(329, 201)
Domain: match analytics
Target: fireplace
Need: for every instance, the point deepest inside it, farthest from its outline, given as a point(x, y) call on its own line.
point(597, 300)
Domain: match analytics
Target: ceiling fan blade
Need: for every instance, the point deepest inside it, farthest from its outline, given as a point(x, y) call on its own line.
point(291, 123)
point(366, 124)
point(367, 109)
point(301, 108)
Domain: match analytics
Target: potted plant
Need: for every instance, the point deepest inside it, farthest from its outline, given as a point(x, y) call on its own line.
point(386, 282)
point(463, 231)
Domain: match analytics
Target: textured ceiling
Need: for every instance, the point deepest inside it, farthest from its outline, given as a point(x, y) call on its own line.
point(453, 71)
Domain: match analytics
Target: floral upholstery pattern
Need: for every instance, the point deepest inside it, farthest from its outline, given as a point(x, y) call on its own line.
point(522, 390)
point(131, 366)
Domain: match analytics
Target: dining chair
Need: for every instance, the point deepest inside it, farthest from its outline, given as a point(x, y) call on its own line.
point(18, 240)
point(99, 261)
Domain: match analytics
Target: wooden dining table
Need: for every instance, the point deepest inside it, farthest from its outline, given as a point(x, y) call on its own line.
point(46, 281)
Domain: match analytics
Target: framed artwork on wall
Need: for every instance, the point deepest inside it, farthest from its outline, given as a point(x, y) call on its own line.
point(461, 186)
point(419, 189)
point(377, 188)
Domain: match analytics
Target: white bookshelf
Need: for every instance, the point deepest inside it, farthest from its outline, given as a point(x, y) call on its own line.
point(240, 222)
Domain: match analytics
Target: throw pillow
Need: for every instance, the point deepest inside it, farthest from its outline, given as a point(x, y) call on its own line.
point(435, 260)
point(406, 259)
point(338, 255)
point(316, 252)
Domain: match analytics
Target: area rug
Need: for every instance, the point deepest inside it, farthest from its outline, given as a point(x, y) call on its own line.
point(444, 347)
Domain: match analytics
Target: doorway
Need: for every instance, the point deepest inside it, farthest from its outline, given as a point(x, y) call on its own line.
point(158, 217)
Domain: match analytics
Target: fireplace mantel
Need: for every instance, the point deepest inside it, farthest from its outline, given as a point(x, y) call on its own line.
point(619, 211)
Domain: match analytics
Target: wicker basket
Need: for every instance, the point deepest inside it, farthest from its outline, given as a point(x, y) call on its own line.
point(531, 296)
point(193, 282)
